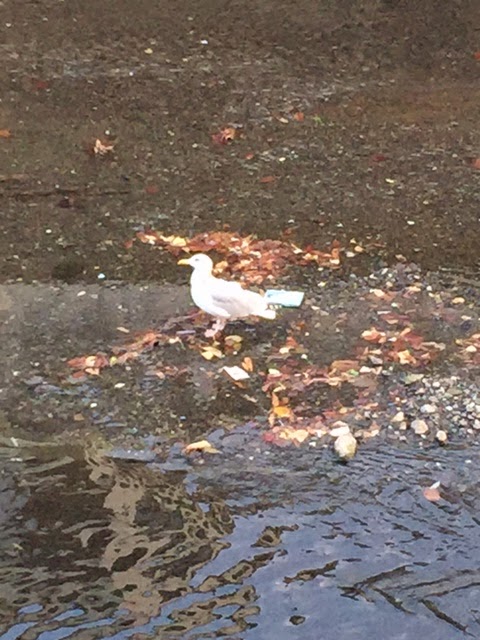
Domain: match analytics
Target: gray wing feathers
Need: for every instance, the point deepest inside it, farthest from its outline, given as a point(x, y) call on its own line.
point(235, 300)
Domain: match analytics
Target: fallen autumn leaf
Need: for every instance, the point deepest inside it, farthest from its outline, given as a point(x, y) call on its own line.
point(432, 493)
point(201, 445)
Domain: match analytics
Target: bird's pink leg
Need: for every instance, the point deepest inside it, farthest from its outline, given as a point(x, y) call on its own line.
point(218, 326)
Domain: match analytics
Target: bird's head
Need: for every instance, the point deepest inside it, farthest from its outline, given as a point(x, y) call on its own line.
point(198, 261)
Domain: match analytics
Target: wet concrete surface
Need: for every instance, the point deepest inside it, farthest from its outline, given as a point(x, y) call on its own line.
point(356, 120)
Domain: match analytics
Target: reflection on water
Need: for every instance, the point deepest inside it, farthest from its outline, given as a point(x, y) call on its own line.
point(94, 548)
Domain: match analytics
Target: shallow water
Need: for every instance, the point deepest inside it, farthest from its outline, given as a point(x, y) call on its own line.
point(254, 545)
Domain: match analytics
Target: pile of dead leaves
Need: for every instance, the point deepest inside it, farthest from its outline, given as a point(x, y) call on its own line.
point(290, 417)
point(94, 363)
point(248, 258)
point(402, 346)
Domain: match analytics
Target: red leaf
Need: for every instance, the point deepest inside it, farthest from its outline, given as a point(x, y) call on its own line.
point(267, 179)
point(151, 189)
point(432, 494)
point(40, 85)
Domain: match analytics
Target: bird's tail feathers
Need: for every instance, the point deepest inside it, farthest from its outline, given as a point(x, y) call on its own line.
point(269, 314)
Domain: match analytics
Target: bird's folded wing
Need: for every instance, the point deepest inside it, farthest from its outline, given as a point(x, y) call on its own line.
point(237, 301)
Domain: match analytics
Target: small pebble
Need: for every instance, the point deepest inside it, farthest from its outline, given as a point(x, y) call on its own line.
point(441, 436)
point(341, 429)
point(419, 427)
point(428, 408)
point(345, 446)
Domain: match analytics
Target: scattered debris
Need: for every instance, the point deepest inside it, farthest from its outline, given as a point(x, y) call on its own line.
point(236, 373)
point(284, 298)
point(201, 445)
point(307, 401)
point(102, 147)
point(225, 135)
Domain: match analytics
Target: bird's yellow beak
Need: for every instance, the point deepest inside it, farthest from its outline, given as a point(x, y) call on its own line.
point(184, 261)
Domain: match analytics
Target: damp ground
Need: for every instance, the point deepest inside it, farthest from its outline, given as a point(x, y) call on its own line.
point(355, 122)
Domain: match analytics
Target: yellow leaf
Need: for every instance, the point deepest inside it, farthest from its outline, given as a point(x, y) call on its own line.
point(174, 241)
point(200, 445)
point(211, 352)
point(90, 361)
point(297, 436)
point(405, 357)
point(92, 371)
point(247, 364)
point(282, 411)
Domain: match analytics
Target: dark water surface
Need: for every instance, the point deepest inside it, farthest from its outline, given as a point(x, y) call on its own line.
point(260, 545)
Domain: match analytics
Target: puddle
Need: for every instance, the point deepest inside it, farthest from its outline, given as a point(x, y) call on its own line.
point(255, 545)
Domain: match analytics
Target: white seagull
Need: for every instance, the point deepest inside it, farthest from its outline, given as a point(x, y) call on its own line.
point(222, 299)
